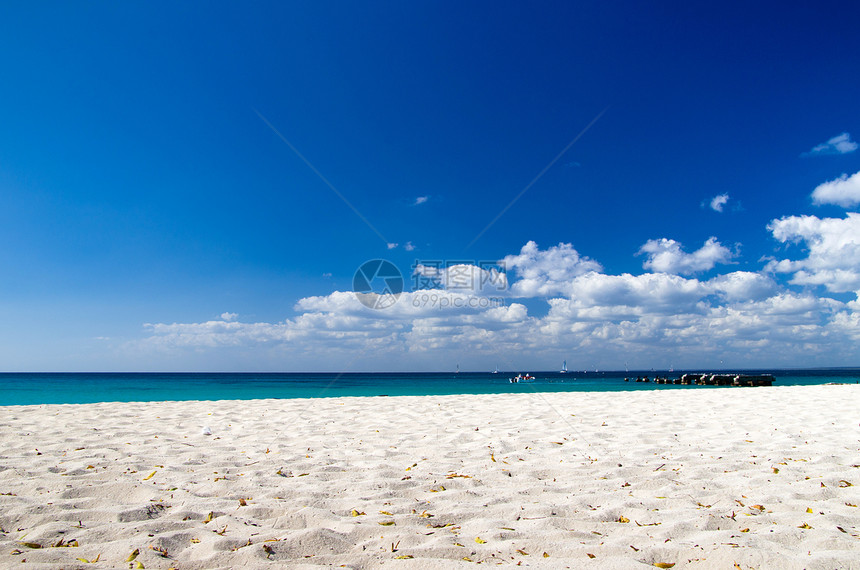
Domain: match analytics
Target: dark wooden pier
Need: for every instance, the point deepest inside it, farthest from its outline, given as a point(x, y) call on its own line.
point(749, 380)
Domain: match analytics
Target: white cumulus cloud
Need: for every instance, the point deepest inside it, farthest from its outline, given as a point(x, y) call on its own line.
point(844, 191)
point(833, 257)
point(666, 256)
point(840, 144)
point(717, 202)
point(548, 272)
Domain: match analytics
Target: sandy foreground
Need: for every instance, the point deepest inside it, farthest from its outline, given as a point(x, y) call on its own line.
point(700, 478)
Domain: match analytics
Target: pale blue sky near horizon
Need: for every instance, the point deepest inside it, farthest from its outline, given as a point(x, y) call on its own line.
point(140, 189)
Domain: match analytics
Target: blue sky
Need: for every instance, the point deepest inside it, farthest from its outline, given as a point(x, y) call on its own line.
point(151, 220)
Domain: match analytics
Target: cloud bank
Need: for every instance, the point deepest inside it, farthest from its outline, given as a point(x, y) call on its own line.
point(801, 310)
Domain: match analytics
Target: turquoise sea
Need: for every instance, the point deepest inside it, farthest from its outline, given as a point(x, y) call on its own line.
point(81, 388)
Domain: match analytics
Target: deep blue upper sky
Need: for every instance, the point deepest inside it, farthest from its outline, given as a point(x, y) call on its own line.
point(139, 185)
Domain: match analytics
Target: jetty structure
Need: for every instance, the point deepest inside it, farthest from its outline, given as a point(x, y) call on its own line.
point(709, 379)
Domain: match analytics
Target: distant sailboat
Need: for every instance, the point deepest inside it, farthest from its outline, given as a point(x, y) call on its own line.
point(496, 371)
point(564, 368)
point(458, 369)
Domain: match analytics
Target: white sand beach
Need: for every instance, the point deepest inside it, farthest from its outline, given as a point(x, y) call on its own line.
point(699, 478)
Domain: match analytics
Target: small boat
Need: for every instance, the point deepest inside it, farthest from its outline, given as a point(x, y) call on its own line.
point(563, 368)
point(520, 378)
point(496, 371)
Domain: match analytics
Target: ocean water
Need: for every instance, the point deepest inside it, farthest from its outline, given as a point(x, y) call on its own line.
point(83, 388)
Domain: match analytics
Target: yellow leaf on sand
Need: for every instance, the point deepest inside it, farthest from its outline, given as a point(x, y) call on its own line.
point(133, 555)
point(385, 513)
point(809, 510)
point(139, 565)
point(93, 561)
point(775, 470)
point(480, 540)
point(467, 559)
point(590, 555)
point(844, 483)
point(745, 530)
point(31, 544)
point(387, 523)
point(356, 513)
point(804, 526)
point(404, 557)
point(209, 517)
point(758, 507)
point(664, 564)
point(545, 555)
point(523, 552)
point(623, 519)
point(150, 476)
point(195, 541)
point(460, 545)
